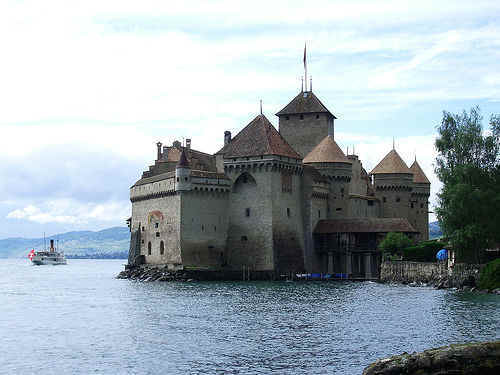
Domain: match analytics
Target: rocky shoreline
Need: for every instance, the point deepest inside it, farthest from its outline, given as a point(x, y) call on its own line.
point(149, 274)
point(470, 359)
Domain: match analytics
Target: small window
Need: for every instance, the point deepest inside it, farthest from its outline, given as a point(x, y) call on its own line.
point(317, 116)
point(338, 209)
point(301, 117)
point(370, 203)
point(411, 205)
point(142, 241)
point(384, 199)
point(288, 212)
point(244, 238)
point(421, 205)
point(247, 212)
point(162, 248)
point(157, 234)
point(149, 248)
point(398, 199)
point(215, 228)
point(319, 213)
point(185, 178)
point(143, 229)
point(202, 227)
point(156, 225)
point(287, 117)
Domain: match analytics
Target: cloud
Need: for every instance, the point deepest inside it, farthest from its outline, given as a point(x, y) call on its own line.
point(71, 212)
point(87, 88)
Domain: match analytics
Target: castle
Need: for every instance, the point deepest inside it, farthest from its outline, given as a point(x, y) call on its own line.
point(275, 202)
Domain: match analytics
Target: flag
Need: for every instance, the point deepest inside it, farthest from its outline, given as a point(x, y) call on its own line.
point(31, 254)
point(305, 62)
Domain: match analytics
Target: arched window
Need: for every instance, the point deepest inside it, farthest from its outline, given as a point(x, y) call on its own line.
point(149, 248)
point(162, 248)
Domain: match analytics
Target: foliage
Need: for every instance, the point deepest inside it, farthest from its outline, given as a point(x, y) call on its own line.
point(468, 166)
point(394, 242)
point(423, 252)
point(490, 276)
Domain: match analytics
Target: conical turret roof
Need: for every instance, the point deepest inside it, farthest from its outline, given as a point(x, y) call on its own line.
point(305, 102)
point(259, 137)
point(183, 160)
point(327, 151)
point(391, 163)
point(418, 174)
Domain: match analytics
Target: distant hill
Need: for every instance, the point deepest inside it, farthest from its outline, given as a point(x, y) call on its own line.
point(435, 230)
point(112, 242)
point(107, 243)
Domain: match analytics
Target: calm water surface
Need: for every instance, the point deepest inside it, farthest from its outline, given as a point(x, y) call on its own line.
point(78, 319)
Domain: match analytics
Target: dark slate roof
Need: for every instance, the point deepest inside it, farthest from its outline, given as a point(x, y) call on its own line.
point(259, 137)
point(183, 161)
point(418, 174)
point(391, 163)
point(364, 225)
point(305, 102)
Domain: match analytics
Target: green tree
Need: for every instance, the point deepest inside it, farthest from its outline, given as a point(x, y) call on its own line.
point(468, 166)
point(394, 242)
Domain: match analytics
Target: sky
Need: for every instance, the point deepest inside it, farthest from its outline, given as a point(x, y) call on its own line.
point(88, 88)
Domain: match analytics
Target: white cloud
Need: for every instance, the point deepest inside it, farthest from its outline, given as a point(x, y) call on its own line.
point(87, 88)
point(71, 212)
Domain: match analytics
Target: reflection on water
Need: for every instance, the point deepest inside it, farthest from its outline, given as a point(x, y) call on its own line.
point(79, 319)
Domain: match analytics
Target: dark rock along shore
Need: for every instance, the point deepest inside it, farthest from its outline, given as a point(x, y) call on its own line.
point(467, 359)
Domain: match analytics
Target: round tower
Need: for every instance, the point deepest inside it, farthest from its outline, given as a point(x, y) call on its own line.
point(393, 183)
point(330, 161)
point(183, 173)
point(419, 206)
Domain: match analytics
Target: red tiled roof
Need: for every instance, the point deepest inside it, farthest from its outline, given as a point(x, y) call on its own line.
point(364, 225)
point(418, 174)
point(327, 151)
point(259, 137)
point(391, 163)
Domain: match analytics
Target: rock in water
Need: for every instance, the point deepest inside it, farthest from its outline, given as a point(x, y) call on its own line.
point(467, 359)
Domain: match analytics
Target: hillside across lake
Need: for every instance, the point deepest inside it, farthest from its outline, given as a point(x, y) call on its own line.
point(111, 243)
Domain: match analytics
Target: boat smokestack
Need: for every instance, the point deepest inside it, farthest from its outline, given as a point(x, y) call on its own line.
point(52, 245)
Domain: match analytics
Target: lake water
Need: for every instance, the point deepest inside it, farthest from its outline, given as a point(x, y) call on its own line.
point(79, 319)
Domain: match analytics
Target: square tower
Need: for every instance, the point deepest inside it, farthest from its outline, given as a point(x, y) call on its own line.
point(305, 122)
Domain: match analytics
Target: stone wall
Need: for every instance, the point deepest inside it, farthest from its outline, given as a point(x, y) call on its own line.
point(305, 133)
point(436, 274)
point(204, 228)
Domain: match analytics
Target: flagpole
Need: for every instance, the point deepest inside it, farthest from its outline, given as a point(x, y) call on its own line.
point(305, 66)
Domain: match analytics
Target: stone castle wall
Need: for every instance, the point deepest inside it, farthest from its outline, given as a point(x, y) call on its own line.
point(304, 132)
point(204, 228)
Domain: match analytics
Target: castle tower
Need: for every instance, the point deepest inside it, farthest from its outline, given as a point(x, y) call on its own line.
point(330, 161)
point(393, 182)
point(419, 205)
point(265, 211)
point(305, 122)
point(183, 173)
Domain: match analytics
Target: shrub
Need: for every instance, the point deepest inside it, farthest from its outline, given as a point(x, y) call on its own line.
point(423, 252)
point(394, 242)
point(490, 276)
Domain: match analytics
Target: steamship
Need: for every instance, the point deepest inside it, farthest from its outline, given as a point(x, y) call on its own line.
point(51, 256)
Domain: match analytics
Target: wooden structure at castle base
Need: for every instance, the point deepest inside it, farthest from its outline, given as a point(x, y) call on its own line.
point(349, 247)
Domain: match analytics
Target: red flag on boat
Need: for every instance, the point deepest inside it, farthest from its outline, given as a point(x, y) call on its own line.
point(31, 254)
